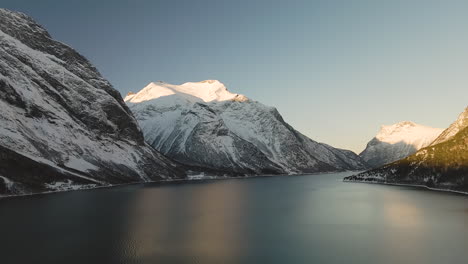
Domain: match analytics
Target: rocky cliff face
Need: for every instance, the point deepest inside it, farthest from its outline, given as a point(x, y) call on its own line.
point(62, 125)
point(204, 124)
point(443, 164)
point(398, 141)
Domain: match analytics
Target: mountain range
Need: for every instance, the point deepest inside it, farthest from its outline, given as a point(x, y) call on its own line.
point(203, 124)
point(64, 127)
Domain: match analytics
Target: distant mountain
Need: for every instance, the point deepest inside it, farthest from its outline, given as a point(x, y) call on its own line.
point(443, 164)
point(203, 124)
point(62, 125)
point(398, 141)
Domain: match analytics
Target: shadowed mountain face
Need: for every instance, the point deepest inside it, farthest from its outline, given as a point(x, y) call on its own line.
point(398, 141)
point(203, 124)
point(443, 165)
point(62, 125)
point(379, 153)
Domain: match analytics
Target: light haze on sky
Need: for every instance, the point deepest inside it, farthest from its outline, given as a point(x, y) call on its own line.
point(336, 70)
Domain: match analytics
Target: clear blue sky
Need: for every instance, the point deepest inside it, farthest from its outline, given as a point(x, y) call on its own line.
point(336, 70)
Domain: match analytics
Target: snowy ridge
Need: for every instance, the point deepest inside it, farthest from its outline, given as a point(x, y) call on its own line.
point(454, 128)
point(398, 141)
point(205, 125)
point(207, 91)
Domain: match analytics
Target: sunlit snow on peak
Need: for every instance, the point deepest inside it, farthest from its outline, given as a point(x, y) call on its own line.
point(408, 132)
point(207, 91)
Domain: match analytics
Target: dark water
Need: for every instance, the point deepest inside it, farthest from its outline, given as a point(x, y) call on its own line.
point(301, 219)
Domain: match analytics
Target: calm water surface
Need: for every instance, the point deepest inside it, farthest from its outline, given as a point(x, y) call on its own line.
point(300, 219)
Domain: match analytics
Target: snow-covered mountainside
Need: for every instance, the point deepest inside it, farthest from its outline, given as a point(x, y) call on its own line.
point(454, 128)
point(442, 165)
point(63, 126)
point(204, 124)
point(398, 141)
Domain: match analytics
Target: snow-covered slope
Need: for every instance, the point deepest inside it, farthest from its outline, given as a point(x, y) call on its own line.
point(398, 141)
point(63, 126)
point(204, 124)
point(454, 128)
point(442, 165)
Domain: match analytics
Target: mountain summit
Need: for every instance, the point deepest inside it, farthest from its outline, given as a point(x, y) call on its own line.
point(203, 124)
point(398, 141)
point(206, 91)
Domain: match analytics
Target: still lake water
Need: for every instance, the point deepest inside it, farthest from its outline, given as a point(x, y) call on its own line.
point(299, 219)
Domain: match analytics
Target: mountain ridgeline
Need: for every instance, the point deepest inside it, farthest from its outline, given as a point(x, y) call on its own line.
point(203, 124)
point(443, 164)
point(62, 125)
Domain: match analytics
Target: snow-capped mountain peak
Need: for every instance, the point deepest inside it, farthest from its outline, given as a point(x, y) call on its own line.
point(205, 125)
point(407, 132)
point(206, 91)
point(397, 141)
point(441, 165)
